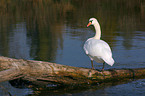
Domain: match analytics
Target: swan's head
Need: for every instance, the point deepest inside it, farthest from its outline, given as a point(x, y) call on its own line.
point(92, 21)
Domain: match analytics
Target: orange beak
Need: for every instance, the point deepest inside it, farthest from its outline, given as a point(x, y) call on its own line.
point(89, 24)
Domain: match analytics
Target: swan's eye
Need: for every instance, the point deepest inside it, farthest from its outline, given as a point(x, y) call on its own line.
point(91, 21)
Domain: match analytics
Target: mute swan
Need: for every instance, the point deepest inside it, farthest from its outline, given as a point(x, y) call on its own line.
point(98, 50)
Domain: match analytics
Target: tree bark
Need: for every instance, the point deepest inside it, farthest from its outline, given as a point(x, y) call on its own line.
point(47, 72)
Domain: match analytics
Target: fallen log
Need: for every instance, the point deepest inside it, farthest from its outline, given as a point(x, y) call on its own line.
point(39, 71)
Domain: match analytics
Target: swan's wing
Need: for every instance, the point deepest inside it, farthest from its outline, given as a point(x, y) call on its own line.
point(107, 55)
point(95, 47)
point(99, 49)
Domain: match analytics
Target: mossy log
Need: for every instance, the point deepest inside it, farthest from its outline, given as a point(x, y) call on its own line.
point(47, 72)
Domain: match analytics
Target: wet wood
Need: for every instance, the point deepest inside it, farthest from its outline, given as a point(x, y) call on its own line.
point(39, 71)
point(10, 74)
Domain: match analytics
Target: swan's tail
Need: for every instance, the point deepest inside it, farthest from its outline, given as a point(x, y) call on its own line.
point(109, 61)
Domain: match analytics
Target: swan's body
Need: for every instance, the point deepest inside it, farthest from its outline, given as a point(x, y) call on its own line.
point(98, 50)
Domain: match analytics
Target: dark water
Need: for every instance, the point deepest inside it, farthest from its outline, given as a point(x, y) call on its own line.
point(55, 31)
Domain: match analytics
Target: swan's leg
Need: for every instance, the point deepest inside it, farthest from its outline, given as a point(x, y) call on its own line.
point(92, 64)
point(103, 66)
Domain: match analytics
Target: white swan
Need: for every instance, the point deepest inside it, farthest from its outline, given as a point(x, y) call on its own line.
point(98, 50)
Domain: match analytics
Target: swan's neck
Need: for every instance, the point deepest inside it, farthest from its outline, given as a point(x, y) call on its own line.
point(98, 31)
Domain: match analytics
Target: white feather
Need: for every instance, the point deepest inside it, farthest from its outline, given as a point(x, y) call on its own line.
point(98, 50)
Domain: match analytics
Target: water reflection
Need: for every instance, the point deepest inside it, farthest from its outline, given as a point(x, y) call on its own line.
point(43, 25)
point(55, 30)
point(46, 22)
point(19, 42)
